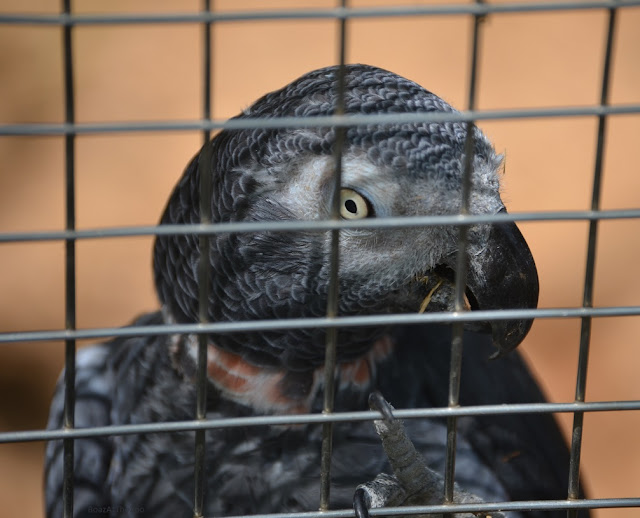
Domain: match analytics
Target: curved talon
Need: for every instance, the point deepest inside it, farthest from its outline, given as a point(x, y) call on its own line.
point(360, 503)
point(379, 403)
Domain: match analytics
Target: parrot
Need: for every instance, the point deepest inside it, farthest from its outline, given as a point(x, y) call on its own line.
point(401, 168)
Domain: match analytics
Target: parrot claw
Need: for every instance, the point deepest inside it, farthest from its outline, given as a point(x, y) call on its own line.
point(413, 482)
point(379, 403)
point(361, 503)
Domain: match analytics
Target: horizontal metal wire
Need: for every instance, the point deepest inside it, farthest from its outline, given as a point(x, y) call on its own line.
point(310, 14)
point(525, 505)
point(320, 418)
point(84, 128)
point(317, 225)
point(320, 322)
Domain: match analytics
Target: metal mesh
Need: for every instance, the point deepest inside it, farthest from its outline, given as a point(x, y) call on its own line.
point(342, 15)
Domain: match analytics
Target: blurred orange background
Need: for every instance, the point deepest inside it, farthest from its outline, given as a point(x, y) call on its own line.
point(153, 73)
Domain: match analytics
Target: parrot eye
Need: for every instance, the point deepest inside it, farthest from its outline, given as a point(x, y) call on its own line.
point(353, 205)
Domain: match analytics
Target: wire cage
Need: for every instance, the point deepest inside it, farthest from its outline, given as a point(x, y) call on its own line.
point(105, 104)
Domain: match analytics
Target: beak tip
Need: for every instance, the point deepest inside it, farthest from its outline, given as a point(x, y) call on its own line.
point(508, 334)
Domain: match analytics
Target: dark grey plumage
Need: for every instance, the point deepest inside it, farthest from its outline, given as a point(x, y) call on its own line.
point(277, 174)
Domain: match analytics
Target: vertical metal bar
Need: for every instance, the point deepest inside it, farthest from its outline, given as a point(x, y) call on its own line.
point(587, 299)
point(208, 5)
point(333, 294)
point(70, 270)
point(461, 276)
point(204, 167)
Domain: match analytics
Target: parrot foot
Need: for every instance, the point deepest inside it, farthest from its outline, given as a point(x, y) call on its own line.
point(413, 482)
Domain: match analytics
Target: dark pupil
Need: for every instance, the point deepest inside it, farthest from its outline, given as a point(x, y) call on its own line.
point(351, 206)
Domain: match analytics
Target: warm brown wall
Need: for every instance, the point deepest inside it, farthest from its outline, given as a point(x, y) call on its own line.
point(153, 73)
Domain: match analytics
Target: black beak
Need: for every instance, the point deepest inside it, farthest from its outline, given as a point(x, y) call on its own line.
point(504, 276)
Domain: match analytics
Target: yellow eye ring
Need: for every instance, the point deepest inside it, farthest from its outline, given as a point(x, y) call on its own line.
point(353, 205)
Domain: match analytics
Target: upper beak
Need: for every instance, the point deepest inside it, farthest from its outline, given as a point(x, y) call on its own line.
point(504, 276)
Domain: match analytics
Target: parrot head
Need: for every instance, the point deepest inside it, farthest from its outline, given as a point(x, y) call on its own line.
point(388, 170)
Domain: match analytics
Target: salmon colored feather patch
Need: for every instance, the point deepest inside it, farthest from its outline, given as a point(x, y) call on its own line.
point(263, 389)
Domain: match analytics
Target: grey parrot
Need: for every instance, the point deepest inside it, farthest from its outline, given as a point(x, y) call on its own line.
point(277, 174)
